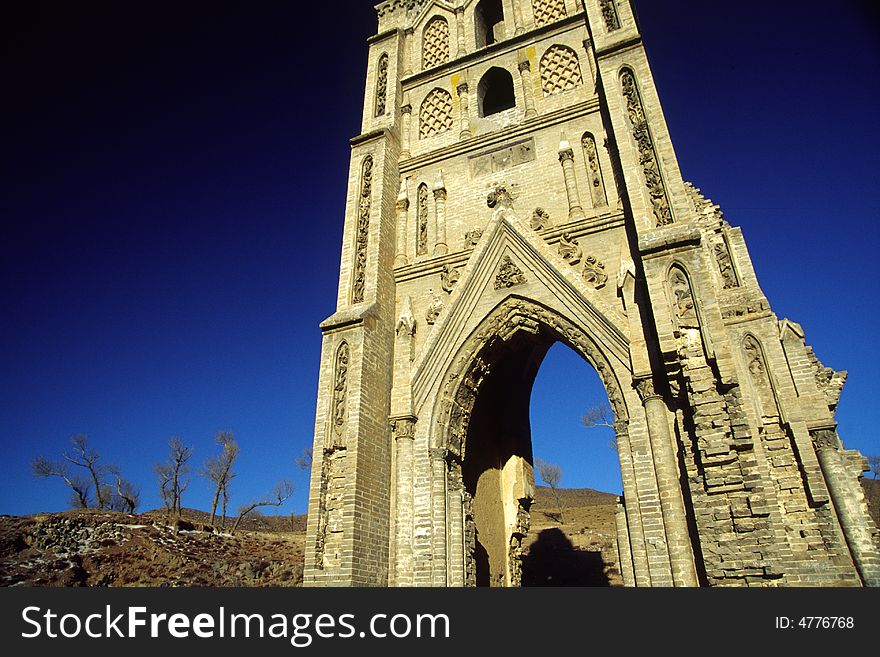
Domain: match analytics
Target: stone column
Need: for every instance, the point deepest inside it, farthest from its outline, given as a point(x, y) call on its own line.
point(455, 523)
point(402, 206)
point(440, 246)
point(464, 108)
point(517, 18)
point(624, 551)
point(525, 71)
point(633, 517)
point(459, 22)
point(408, 38)
point(848, 506)
point(668, 484)
point(566, 158)
point(403, 430)
point(438, 508)
point(405, 128)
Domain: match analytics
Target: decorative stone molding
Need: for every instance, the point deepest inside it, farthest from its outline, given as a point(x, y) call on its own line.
point(725, 265)
point(508, 275)
point(645, 144)
point(569, 250)
point(363, 231)
point(591, 156)
point(685, 307)
point(540, 219)
point(338, 406)
point(422, 220)
point(381, 84)
point(609, 14)
point(594, 272)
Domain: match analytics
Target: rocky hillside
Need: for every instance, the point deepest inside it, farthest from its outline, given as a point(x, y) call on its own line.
point(101, 548)
point(576, 547)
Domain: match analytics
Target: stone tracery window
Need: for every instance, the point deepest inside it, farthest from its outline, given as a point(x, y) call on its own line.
point(560, 70)
point(435, 43)
point(548, 11)
point(381, 84)
point(435, 115)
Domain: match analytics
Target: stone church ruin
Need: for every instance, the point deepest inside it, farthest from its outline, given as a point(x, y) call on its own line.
point(514, 185)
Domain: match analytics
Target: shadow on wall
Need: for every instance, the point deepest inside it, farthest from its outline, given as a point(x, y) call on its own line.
point(553, 561)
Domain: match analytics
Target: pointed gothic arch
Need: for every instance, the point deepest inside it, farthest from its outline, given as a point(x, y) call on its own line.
point(481, 443)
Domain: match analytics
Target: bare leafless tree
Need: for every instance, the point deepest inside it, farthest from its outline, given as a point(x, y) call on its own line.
point(124, 496)
point(218, 469)
point(84, 456)
point(304, 460)
point(600, 415)
point(551, 474)
point(283, 491)
point(172, 475)
point(44, 468)
point(874, 462)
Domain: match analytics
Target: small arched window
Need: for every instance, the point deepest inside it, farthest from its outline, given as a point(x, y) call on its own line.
point(495, 92)
point(435, 43)
point(489, 22)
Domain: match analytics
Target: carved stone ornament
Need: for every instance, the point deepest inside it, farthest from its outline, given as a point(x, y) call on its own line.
point(825, 439)
point(508, 275)
point(645, 388)
point(594, 272)
point(363, 231)
point(381, 85)
point(340, 392)
point(434, 310)
point(472, 237)
point(540, 219)
point(569, 249)
point(449, 276)
point(609, 14)
point(406, 325)
point(422, 220)
point(725, 265)
point(755, 359)
point(403, 428)
point(647, 155)
point(685, 309)
point(500, 199)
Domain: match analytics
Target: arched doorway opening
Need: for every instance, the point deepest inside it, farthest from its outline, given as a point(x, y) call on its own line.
point(497, 460)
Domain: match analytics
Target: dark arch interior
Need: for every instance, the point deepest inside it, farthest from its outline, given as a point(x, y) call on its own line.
point(495, 92)
point(489, 22)
point(498, 473)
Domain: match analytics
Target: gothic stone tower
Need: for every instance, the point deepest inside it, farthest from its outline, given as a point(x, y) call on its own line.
point(514, 185)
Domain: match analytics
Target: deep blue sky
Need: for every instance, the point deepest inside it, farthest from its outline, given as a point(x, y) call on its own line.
point(173, 193)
